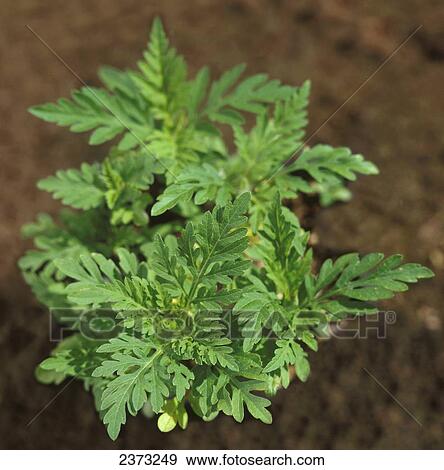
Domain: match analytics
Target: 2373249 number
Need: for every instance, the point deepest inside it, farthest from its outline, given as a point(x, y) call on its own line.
point(148, 459)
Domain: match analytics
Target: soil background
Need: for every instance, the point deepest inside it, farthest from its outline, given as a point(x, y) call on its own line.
point(396, 119)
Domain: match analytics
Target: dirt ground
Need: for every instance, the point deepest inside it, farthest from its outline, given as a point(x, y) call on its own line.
point(396, 119)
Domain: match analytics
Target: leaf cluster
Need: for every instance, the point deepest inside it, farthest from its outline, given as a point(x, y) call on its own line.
point(190, 285)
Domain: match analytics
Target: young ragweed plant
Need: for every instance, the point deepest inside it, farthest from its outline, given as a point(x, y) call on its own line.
point(210, 311)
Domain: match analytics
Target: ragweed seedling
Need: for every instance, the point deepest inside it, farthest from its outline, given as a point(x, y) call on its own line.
point(211, 310)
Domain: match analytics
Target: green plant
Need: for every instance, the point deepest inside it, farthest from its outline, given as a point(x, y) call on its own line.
point(214, 305)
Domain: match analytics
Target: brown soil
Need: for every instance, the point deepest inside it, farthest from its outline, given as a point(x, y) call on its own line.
point(396, 120)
